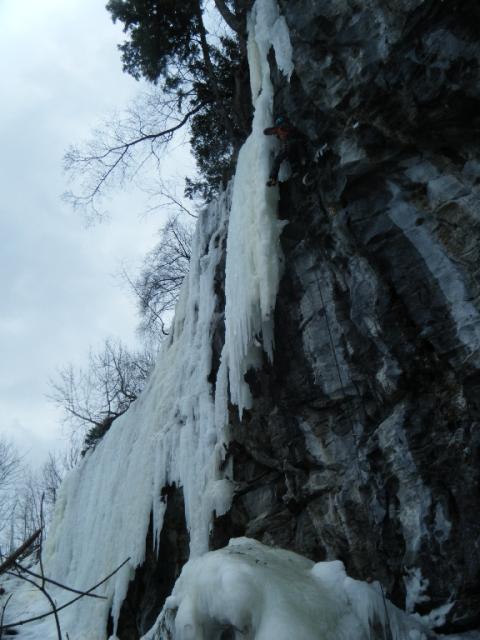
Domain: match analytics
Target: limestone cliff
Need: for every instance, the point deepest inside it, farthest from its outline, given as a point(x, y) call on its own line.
point(363, 441)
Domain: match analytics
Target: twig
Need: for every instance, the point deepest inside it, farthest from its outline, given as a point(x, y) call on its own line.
point(41, 588)
point(42, 527)
point(3, 614)
point(138, 293)
point(114, 157)
point(177, 203)
point(58, 584)
point(63, 606)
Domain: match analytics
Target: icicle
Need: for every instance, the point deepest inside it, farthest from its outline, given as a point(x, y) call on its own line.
point(254, 258)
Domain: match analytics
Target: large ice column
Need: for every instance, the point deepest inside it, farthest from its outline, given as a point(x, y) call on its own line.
point(169, 435)
point(254, 259)
point(257, 592)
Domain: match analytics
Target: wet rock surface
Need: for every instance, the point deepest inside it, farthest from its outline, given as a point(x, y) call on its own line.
point(153, 581)
point(364, 439)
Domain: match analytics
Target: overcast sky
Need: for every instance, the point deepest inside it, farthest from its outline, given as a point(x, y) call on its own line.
point(61, 75)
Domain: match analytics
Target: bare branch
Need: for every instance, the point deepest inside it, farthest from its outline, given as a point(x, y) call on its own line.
point(58, 584)
point(92, 398)
point(41, 588)
point(147, 307)
point(9, 462)
point(42, 530)
point(10, 561)
point(4, 608)
point(67, 604)
point(110, 157)
point(173, 200)
point(164, 270)
point(10, 468)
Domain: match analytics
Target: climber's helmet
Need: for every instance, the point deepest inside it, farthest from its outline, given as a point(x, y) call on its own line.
point(280, 120)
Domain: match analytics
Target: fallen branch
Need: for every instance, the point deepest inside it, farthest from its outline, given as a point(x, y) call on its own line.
point(10, 561)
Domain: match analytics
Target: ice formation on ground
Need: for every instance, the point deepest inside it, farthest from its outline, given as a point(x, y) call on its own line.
point(176, 431)
point(255, 592)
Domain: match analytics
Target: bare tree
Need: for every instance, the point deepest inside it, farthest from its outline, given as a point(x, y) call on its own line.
point(158, 285)
point(92, 398)
point(53, 472)
point(28, 507)
point(21, 491)
point(122, 147)
point(10, 465)
point(35, 494)
point(196, 57)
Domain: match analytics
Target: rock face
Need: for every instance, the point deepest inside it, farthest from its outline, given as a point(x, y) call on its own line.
point(154, 580)
point(364, 439)
point(363, 443)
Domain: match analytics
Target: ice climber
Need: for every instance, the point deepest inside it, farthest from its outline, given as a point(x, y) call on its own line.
point(291, 148)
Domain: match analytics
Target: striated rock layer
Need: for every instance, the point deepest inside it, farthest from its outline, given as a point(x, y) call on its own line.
point(359, 440)
point(363, 441)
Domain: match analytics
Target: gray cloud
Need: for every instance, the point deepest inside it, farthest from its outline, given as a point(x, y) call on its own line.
point(61, 74)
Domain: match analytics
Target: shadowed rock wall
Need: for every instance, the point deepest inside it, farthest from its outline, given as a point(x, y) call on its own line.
point(153, 581)
point(363, 443)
